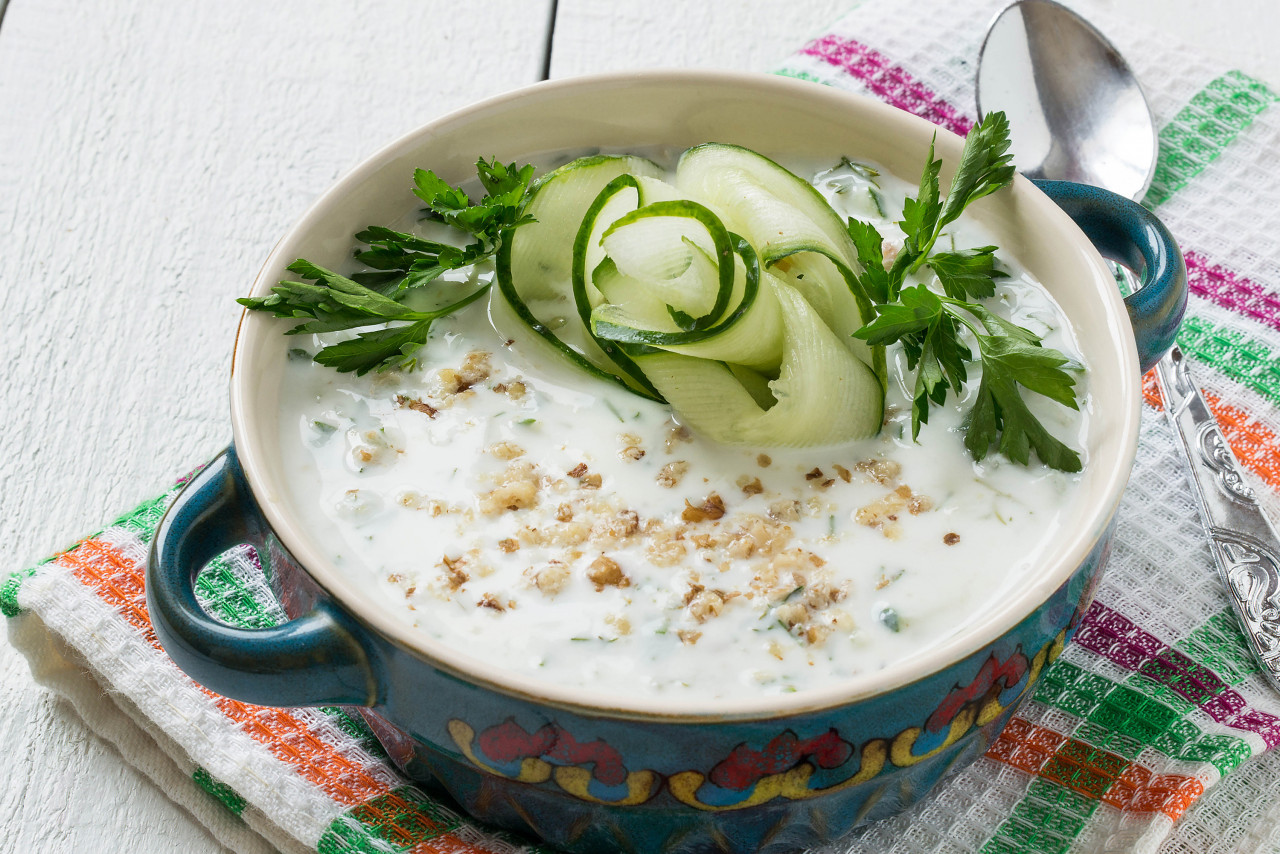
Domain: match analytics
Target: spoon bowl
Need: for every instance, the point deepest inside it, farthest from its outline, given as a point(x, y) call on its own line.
point(1076, 110)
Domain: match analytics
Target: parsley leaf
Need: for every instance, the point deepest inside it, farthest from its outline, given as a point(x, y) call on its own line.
point(929, 325)
point(399, 263)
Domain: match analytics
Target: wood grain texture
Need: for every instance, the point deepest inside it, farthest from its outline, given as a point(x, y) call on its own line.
point(150, 155)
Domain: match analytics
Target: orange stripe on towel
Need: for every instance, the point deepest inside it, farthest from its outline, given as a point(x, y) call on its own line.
point(1256, 445)
point(1092, 772)
point(118, 581)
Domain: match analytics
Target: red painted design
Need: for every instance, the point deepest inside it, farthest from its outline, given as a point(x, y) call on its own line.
point(509, 742)
point(994, 676)
point(745, 767)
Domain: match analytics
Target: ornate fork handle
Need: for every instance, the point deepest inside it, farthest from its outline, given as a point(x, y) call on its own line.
point(1245, 547)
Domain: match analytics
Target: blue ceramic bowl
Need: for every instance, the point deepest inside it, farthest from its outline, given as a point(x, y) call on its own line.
point(582, 770)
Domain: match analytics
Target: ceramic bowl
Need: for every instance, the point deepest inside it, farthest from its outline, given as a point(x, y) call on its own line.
point(581, 770)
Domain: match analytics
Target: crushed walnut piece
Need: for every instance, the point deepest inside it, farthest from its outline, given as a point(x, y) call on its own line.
point(676, 434)
point(549, 579)
point(475, 369)
point(950, 538)
point(785, 510)
point(619, 623)
point(403, 401)
point(750, 485)
point(687, 636)
point(671, 473)
point(844, 473)
point(517, 488)
point(506, 450)
point(623, 524)
point(764, 460)
point(712, 508)
point(881, 471)
point(605, 572)
point(514, 389)
point(455, 576)
point(509, 545)
point(488, 600)
point(883, 513)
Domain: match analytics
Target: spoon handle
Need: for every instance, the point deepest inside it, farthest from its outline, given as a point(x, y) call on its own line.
point(1245, 547)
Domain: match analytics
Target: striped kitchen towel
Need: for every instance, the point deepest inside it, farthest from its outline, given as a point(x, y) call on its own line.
point(1150, 733)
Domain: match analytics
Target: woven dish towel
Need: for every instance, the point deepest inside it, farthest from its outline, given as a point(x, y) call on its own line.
point(1150, 733)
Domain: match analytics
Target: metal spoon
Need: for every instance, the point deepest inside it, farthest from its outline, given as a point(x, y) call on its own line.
point(1077, 113)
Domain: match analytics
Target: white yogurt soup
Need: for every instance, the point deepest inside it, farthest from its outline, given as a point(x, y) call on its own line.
point(519, 511)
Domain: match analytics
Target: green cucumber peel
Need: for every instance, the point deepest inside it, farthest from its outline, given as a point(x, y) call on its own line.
point(720, 240)
point(507, 287)
point(639, 342)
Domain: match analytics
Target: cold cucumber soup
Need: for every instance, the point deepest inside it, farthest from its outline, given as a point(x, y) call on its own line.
point(561, 523)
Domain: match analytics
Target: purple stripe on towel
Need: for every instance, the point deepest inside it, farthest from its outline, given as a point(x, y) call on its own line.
point(889, 82)
point(1115, 637)
point(1231, 291)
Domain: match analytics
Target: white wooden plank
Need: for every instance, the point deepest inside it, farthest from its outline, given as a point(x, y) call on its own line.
point(150, 155)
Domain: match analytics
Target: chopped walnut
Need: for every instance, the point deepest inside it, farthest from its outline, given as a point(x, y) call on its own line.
point(517, 489)
point(592, 481)
point(764, 460)
point(815, 474)
point(918, 504)
point(631, 452)
point(711, 509)
point(455, 577)
point(506, 450)
point(549, 579)
point(605, 572)
point(489, 601)
point(666, 548)
point(676, 433)
point(705, 604)
point(750, 485)
point(950, 538)
point(619, 527)
point(618, 623)
point(564, 513)
point(509, 545)
point(475, 369)
point(671, 473)
point(884, 512)
point(844, 473)
point(688, 637)
point(784, 511)
point(881, 471)
point(577, 471)
point(406, 402)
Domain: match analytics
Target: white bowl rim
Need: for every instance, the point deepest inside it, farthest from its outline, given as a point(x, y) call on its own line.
point(974, 638)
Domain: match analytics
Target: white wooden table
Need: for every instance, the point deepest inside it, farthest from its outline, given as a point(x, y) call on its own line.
point(150, 154)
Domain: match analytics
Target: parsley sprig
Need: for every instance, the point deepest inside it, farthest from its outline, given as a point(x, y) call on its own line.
point(932, 327)
point(400, 263)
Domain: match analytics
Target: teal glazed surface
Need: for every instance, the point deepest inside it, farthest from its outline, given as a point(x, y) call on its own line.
point(1129, 234)
point(603, 781)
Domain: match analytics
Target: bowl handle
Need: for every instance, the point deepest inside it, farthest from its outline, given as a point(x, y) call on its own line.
point(316, 659)
point(1127, 233)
